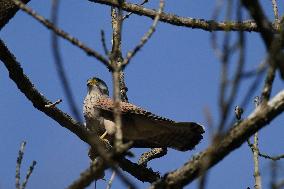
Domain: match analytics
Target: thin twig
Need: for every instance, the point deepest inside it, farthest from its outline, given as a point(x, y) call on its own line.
point(59, 64)
point(255, 150)
point(273, 174)
point(256, 174)
point(224, 104)
point(18, 168)
point(267, 88)
point(146, 37)
point(276, 15)
point(273, 158)
point(260, 68)
point(103, 39)
point(19, 163)
point(52, 105)
point(129, 13)
point(111, 180)
point(62, 33)
point(30, 171)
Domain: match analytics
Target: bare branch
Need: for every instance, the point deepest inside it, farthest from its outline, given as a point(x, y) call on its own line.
point(276, 15)
point(29, 173)
point(7, 10)
point(138, 171)
point(267, 88)
point(116, 59)
point(111, 180)
point(18, 168)
point(273, 158)
point(94, 172)
point(62, 33)
point(229, 142)
point(146, 37)
point(19, 163)
point(260, 69)
point(194, 23)
point(104, 43)
point(256, 174)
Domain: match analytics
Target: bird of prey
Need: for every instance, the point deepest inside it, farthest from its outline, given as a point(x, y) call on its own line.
point(144, 128)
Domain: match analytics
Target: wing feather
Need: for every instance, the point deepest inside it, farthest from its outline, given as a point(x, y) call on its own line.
point(157, 131)
point(128, 108)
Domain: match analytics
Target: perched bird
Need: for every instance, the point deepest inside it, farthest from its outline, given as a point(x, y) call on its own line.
point(144, 128)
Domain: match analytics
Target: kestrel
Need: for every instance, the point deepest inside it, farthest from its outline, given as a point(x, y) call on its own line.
point(144, 128)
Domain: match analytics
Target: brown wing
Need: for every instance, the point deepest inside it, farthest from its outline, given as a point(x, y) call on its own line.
point(128, 108)
point(155, 131)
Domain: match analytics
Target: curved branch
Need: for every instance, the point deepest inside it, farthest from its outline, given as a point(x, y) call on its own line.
point(222, 147)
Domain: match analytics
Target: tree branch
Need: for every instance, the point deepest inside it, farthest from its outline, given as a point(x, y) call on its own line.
point(138, 171)
point(221, 148)
point(94, 172)
point(7, 10)
point(207, 25)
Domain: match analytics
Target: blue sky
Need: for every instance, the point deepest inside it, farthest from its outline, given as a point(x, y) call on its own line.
point(175, 75)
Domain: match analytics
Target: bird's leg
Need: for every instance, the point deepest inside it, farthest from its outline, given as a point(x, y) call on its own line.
point(103, 135)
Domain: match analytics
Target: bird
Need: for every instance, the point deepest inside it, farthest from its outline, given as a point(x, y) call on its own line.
point(143, 128)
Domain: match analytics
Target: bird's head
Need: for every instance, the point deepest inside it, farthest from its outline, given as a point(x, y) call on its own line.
point(97, 85)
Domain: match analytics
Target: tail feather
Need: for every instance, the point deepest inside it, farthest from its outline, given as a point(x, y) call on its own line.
point(181, 136)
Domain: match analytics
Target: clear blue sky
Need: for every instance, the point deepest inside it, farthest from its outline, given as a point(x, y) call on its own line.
point(175, 75)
